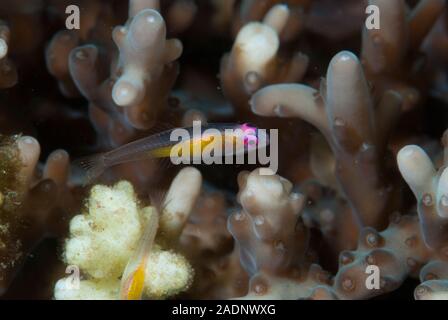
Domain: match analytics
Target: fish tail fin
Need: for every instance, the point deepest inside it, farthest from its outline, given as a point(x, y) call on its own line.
point(91, 167)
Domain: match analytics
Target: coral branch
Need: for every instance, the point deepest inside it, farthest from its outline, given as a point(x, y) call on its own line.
point(57, 60)
point(143, 64)
point(268, 206)
point(8, 72)
point(398, 252)
point(31, 209)
point(422, 19)
point(390, 51)
point(179, 202)
point(431, 191)
point(251, 10)
point(269, 233)
point(434, 284)
point(345, 114)
point(254, 61)
point(135, 6)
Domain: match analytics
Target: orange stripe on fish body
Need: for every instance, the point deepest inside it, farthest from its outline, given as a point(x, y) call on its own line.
point(135, 285)
point(193, 145)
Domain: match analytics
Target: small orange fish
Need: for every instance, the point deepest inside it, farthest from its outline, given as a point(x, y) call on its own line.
point(161, 145)
point(133, 279)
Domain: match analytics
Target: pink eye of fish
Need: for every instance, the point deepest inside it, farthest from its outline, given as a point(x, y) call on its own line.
point(250, 138)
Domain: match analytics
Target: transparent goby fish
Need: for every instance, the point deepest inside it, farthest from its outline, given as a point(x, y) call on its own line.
point(233, 139)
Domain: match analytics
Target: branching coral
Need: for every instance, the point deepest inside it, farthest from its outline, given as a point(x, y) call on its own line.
point(205, 233)
point(330, 214)
point(57, 60)
point(389, 53)
point(435, 47)
point(118, 78)
point(31, 209)
point(179, 13)
point(434, 282)
point(128, 88)
point(251, 10)
point(63, 42)
point(8, 77)
point(398, 252)
point(128, 96)
point(355, 130)
point(268, 206)
point(411, 246)
point(259, 58)
point(270, 236)
point(255, 61)
point(104, 238)
point(208, 244)
point(431, 191)
point(324, 15)
point(145, 65)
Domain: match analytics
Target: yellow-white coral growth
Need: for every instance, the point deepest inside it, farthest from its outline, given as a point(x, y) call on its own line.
point(103, 239)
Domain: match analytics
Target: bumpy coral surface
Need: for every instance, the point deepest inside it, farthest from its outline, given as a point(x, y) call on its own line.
point(102, 242)
point(358, 208)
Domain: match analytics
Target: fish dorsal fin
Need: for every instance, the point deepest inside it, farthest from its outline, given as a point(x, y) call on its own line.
point(159, 127)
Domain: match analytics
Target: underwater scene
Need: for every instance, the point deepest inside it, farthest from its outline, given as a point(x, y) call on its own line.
point(223, 150)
